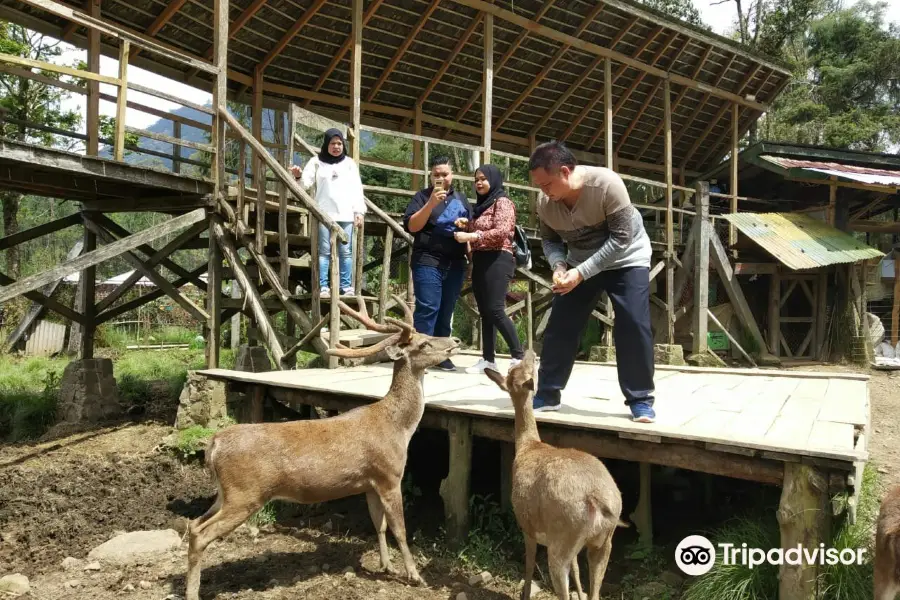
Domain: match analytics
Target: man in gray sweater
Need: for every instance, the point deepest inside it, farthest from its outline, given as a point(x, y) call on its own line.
point(594, 239)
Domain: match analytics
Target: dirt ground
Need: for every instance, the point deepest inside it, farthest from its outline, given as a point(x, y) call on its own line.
point(63, 497)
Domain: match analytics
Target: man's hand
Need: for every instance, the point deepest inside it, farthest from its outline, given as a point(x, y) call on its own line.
point(358, 220)
point(563, 283)
point(296, 171)
point(437, 196)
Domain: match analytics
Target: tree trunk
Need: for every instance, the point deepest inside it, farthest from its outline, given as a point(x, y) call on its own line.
point(10, 201)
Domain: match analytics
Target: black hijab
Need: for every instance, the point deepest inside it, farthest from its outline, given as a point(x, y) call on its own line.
point(495, 178)
point(324, 155)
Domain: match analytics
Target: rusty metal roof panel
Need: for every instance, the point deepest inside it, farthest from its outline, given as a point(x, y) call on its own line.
point(799, 241)
point(856, 173)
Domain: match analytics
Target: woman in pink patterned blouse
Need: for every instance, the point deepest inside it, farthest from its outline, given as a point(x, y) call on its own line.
point(493, 264)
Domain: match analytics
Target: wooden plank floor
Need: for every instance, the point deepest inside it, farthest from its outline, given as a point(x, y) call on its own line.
point(734, 410)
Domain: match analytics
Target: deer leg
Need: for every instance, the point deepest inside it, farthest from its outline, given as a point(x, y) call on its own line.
point(378, 518)
point(576, 575)
point(202, 534)
point(392, 504)
point(530, 554)
point(560, 560)
point(598, 559)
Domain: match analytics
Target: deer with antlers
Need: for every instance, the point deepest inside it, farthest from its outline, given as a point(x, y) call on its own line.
point(563, 498)
point(362, 451)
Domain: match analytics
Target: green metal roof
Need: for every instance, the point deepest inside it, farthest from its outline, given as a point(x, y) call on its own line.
point(799, 241)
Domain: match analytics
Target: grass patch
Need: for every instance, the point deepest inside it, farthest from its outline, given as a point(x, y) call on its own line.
point(495, 542)
point(838, 582)
point(189, 442)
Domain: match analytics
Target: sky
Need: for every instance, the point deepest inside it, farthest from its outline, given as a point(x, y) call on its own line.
point(720, 16)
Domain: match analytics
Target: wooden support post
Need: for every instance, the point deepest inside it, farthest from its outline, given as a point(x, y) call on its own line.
point(88, 284)
point(803, 519)
point(507, 456)
point(532, 196)
point(529, 315)
point(643, 512)
point(670, 233)
point(356, 31)
point(93, 97)
point(176, 149)
point(236, 319)
point(121, 100)
point(214, 303)
point(832, 202)
point(285, 157)
point(821, 314)
point(895, 311)
point(314, 252)
point(487, 99)
point(418, 164)
point(702, 233)
point(454, 489)
point(359, 255)
point(334, 324)
point(240, 209)
point(735, 135)
point(775, 312)
point(384, 287)
point(257, 404)
point(608, 147)
point(259, 174)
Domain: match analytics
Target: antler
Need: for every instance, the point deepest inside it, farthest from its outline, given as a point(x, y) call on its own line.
point(407, 312)
point(362, 315)
point(344, 352)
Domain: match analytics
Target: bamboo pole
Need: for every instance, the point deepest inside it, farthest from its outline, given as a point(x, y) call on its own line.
point(670, 234)
point(121, 101)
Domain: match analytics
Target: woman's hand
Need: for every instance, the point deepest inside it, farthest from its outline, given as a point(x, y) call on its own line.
point(296, 171)
point(358, 220)
point(461, 223)
point(462, 237)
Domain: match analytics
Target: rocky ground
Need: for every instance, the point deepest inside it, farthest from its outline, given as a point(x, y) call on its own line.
point(62, 498)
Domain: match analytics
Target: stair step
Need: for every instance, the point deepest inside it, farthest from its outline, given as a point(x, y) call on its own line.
point(308, 297)
point(272, 201)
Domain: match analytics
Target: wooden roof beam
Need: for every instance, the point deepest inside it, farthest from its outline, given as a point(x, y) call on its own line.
point(233, 29)
point(503, 59)
point(402, 49)
point(290, 33)
point(160, 21)
point(637, 81)
point(342, 52)
point(599, 95)
point(578, 83)
point(607, 53)
point(551, 64)
point(678, 100)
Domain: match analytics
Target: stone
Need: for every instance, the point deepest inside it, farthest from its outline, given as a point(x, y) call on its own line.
point(254, 531)
point(672, 579)
point(145, 585)
point(14, 585)
point(253, 359)
point(92, 566)
point(535, 588)
point(69, 563)
point(348, 570)
point(652, 590)
point(666, 354)
point(202, 402)
point(87, 392)
point(129, 587)
point(72, 583)
point(602, 354)
point(328, 527)
point(707, 359)
point(480, 579)
point(136, 547)
point(462, 596)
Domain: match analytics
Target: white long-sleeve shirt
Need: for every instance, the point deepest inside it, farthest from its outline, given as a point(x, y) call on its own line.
point(339, 192)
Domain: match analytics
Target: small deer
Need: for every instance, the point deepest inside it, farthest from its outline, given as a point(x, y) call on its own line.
point(563, 499)
point(362, 451)
point(887, 547)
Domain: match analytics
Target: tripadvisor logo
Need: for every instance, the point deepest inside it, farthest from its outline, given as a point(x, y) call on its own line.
point(696, 555)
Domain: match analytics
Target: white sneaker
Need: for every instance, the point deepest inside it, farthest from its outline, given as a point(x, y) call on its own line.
point(325, 292)
point(479, 367)
point(348, 292)
point(513, 362)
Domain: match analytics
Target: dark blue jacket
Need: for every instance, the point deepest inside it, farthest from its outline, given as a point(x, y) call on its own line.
point(434, 245)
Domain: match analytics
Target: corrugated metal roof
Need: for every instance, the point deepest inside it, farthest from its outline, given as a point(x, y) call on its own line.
point(799, 241)
point(856, 173)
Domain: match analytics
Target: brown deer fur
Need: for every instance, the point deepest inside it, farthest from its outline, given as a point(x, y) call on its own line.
point(887, 547)
point(563, 498)
point(362, 451)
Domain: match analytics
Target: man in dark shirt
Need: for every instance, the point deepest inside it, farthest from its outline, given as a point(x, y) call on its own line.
point(438, 260)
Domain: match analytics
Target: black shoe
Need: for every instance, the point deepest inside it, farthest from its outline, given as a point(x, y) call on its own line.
point(447, 365)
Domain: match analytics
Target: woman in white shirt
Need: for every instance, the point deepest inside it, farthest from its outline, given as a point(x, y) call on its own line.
point(339, 194)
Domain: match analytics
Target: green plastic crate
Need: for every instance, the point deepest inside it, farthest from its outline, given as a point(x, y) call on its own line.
point(716, 340)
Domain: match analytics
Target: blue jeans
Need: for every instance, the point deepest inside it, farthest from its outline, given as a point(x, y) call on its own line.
point(345, 256)
point(437, 291)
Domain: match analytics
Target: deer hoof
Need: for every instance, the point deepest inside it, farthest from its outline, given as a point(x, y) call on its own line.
point(417, 580)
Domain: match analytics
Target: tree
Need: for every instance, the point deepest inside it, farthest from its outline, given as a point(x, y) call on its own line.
point(847, 90)
point(25, 102)
point(680, 9)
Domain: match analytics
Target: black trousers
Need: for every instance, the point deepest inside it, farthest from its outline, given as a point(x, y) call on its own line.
point(492, 270)
point(629, 291)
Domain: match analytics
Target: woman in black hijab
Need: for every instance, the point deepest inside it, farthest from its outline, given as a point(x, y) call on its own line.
point(491, 234)
point(339, 194)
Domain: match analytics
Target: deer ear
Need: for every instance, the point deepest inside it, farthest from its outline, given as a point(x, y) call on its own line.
point(396, 352)
point(497, 378)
